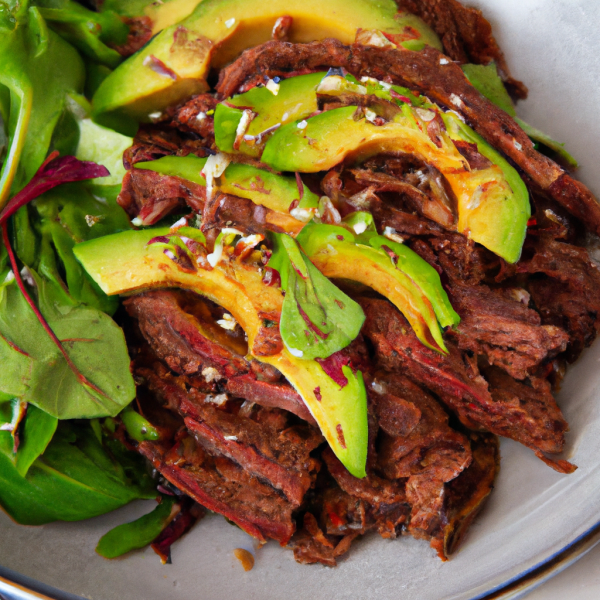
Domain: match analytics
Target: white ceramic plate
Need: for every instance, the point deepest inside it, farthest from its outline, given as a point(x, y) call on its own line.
point(533, 515)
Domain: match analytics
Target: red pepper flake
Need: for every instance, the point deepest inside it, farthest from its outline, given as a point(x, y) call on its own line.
point(340, 434)
point(335, 519)
point(532, 222)
point(332, 365)
point(317, 392)
point(340, 304)
point(340, 237)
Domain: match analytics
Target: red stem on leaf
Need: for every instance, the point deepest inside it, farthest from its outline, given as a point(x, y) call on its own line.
point(13, 261)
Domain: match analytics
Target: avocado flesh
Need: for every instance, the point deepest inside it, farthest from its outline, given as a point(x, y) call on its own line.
point(411, 284)
point(295, 99)
point(493, 203)
point(218, 31)
point(122, 263)
point(273, 191)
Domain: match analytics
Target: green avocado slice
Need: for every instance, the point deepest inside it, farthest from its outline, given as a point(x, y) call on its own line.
point(123, 263)
point(176, 63)
point(388, 267)
point(295, 98)
point(271, 190)
point(493, 203)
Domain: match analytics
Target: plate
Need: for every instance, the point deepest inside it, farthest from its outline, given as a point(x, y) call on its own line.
point(536, 520)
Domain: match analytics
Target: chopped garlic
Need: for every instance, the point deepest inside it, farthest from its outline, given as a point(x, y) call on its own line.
point(456, 100)
point(426, 115)
point(180, 223)
point(302, 124)
point(285, 116)
point(230, 23)
point(370, 115)
point(10, 276)
point(273, 87)
point(476, 198)
point(444, 61)
point(219, 399)
point(303, 214)
point(359, 228)
point(211, 374)
point(294, 352)
point(214, 167)
point(374, 37)
point(392, 234)
point(92, 220)
point(378, 387)
point(517, 145)
point(227, 322)
point(27, 276)
point(137, 222)
point(242, 127)
point(201, 116)
point(155, 115)
point(232, 438)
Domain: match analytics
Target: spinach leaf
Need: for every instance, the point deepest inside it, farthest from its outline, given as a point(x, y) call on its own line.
point(86, 30)
point(138, 533)
point(69, 482)
point(34, 436)
point(93, 341)
point(317, 318)
point(39, 69)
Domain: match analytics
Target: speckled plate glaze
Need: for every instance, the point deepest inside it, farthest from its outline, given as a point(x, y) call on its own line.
point(536, 522)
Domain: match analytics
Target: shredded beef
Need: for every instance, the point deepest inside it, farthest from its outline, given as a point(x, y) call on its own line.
point(220, 485)
point(191, 116)
point(443, 83)
point(534, 422)
point(567, 295)
point(504, 330)
point(151, 196)
point(466, 36)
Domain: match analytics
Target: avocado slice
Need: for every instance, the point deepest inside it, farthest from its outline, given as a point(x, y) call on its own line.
point(295, 99)
point(388, 267)
point(124, 263)
point(276, 192)
point(493, 203)
point(175, 64)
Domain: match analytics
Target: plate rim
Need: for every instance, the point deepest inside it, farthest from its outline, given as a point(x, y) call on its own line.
point(512, 589)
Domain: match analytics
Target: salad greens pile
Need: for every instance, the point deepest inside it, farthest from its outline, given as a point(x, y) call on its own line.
point(58, 460)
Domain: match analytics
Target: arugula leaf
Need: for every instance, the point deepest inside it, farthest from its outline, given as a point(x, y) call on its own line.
point(317, 318)
point(69, 482)
point(93, 342)
point(487, 81)
point(138, 533)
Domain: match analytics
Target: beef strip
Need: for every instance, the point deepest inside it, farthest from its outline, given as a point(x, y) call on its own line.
point(274, 451)
point(150, 196)
point(429, 454)
point(153, 141)
point(221, 485)
point(534, 422)
point(466, 36)
point(504, 330)
point(465, 496)
point(191, 116)
point(567, 293)
point(444, 84)
point(181, 330)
